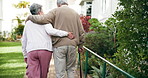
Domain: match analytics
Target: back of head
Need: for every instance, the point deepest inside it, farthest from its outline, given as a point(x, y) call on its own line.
point(35, 8)
point(61, 2)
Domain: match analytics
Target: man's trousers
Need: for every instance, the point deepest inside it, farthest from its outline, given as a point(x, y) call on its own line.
point(65, 60)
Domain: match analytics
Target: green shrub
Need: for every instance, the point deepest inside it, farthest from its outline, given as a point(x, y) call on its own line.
point(127, 35)
point(101, 41)
point(19, 30)
point(1, 37)
point(132, 37)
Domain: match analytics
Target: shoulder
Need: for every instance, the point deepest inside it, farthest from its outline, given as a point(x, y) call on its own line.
point(53, 11)
point(29, 22)
point(48, 26)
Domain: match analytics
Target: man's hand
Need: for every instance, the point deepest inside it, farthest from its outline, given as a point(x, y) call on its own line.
point(81, 50)
point(25, 60)
point(70, 35)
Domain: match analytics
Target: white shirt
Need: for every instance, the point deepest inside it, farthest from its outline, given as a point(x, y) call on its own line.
point(37, 37)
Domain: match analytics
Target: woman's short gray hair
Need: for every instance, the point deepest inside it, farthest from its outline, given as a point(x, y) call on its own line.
point(35, 8)
point(60, 2)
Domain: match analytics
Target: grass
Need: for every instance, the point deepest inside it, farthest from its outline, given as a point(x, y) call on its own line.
point(11, 60)
point(9, 44)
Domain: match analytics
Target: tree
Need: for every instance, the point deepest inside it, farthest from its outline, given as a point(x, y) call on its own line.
point(132, 36)
point(18, 30)
point(22, 4)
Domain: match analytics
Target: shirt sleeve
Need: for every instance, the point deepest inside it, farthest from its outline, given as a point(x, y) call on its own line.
point(81, 34)
point(24, 43)
point(55, 32)
point(43, 19)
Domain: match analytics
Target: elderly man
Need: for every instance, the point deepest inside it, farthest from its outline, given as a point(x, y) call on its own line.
point(37, 45)
point(63, 18)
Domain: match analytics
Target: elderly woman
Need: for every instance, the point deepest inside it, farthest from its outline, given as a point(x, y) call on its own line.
point(37, 45)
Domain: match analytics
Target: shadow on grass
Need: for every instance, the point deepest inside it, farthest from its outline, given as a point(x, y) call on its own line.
point(12, 65)
point(16, 72)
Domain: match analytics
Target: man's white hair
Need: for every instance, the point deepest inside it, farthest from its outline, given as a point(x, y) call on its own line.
point(62, 2)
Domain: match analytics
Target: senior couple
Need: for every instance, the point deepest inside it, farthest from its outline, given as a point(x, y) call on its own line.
point(59, 32)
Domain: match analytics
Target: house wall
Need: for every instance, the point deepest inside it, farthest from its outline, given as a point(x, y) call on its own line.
point(8, 13)
point(101, 9)
point(83, 9)
point(1, 16)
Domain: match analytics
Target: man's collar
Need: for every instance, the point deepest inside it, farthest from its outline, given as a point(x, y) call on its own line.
point(63, 5)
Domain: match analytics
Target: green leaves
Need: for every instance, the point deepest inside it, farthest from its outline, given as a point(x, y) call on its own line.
point(97, 72)
point(100, 43)
point(127, 33)
point(132, 31)
point(95, 25)
point(19, 29)
point(22, 4)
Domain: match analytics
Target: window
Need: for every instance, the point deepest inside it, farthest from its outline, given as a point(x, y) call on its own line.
point(89, 7)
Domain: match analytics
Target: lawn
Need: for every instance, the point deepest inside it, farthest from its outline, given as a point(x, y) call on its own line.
point(11, 60)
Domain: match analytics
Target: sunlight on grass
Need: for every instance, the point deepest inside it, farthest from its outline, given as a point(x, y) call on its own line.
point(10, 49)
point(13, 65)
point(11, 60)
